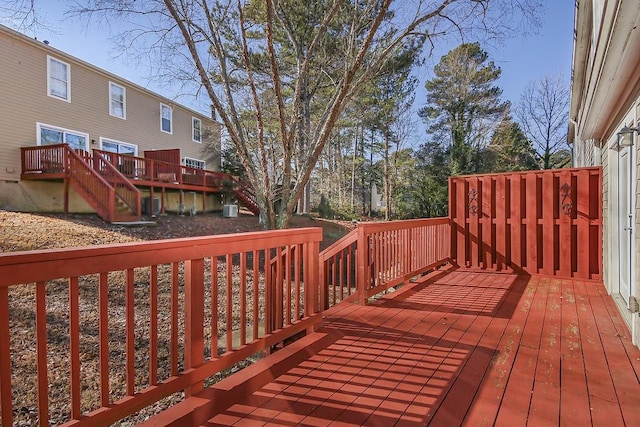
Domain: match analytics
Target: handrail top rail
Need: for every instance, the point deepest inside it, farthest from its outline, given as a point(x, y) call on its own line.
point(42, 265)
point(117, 173)
point(373, 227)
point(335, 248)
point(97, 176)
point(528, 172)
point(194, 171)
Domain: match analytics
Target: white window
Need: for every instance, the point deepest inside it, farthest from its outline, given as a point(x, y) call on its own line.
point(196, 130)
point(49, 135)
point(166, 118)
point(195, 163)
point(58, 79)
point(119, 147)
point(117, 100)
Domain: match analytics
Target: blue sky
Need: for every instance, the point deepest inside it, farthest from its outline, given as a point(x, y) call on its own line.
point(522, 59)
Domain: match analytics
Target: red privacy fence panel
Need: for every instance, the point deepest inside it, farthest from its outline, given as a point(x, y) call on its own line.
point(540, 222)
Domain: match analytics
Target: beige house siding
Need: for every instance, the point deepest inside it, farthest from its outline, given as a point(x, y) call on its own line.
point(25, 102)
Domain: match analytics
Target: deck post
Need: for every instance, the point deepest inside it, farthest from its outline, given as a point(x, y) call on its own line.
point(361, 272)
point(194, 319)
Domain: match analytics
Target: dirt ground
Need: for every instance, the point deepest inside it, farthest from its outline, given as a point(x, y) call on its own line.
point(22, 231)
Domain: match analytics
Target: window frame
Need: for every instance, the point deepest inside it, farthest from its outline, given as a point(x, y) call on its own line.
point(193, 129)
point(49, 77)
point(124, 101)
point(191, 159)
point(162, 107)
point(64, 131)
point(115, 141)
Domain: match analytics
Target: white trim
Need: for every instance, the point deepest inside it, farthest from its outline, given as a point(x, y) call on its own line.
point(115, 141)
point(162, 106)
point(68, 76)
point(204, 163)
point(124, 101)
point(39, 127)
point(193, 129)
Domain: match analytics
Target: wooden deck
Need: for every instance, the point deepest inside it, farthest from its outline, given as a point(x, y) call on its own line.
point(458, 347)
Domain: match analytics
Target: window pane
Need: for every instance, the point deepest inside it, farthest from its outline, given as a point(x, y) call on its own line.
point(117, 108)
point(197, 130)
point(58, 82)
point(50, 136)
point(126, 149)
point(77, 142)
point(109, 146)
point(117, 100)
point(165, 118)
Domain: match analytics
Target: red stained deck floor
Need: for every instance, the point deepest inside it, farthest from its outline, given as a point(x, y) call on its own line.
point(457, 348)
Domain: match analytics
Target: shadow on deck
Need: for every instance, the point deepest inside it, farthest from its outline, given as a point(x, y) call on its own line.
point(457, 347)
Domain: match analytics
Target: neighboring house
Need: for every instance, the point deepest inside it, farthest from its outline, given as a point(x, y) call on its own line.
point(50, 97)
point(605, 99)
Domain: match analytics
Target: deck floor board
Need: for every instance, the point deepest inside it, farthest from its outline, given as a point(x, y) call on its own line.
point(461, 348)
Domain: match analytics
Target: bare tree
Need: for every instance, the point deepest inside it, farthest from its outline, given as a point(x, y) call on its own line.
point(279, 73)
point(543, 113)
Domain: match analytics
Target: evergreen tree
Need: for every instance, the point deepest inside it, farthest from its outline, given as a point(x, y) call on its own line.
point(509, 150)
point(464, 103)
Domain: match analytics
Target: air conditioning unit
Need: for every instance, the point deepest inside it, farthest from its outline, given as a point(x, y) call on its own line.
point(230, 211)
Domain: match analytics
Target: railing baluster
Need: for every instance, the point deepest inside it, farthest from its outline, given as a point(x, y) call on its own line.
point(256, 293)
point(175, 282)
point(153, 325)
point(298, 270)
point(229, 309)
point(130, 333)
point(74, 339)
point(214, 307)
point(279, 288)
point(41, 343)
point(103, 310)
point(243, 298)
point(287, 279)
point(6, 394)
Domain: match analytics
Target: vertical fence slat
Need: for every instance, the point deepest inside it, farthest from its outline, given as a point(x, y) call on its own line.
point(6, 395)
point(74, 346)
point(501, 233)
point(548, 216)
point(516, 220)
point(486, 218)
point(461, 222)
point(583, 240)
point(103, 303)
point(41, 342)
point(566, 213)
point(474, 199)
point(531, 198)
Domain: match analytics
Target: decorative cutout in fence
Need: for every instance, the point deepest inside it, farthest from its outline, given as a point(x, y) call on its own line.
point(540, 222)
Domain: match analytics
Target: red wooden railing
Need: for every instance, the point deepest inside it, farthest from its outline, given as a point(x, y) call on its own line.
point(98, 183)
point(540, 222)
point(93, 187)
point(117, 298)
point(43, 159)
point(379, 255)
point(338, 270)
point(125, 191)
point(140, 168)
point(397, 251)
